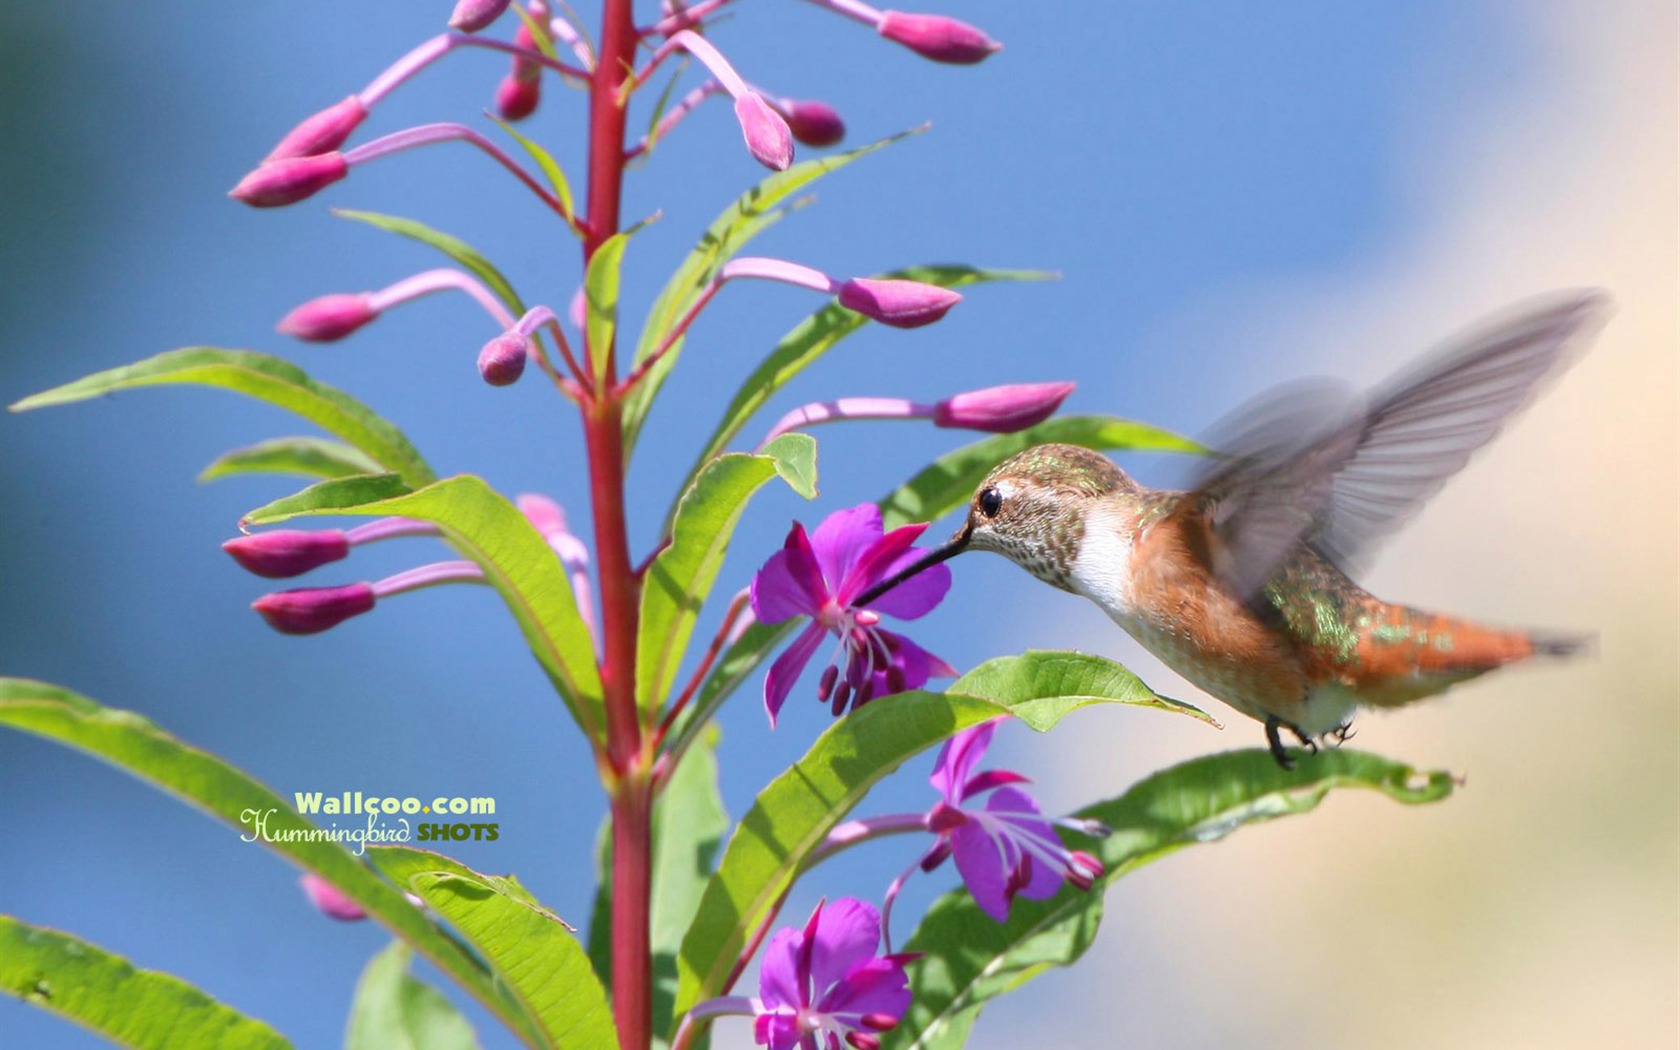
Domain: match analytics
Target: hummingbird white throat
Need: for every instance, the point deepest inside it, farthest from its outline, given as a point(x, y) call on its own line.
point(1243, 583)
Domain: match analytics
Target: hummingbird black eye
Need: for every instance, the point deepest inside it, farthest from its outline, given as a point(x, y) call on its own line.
point(990, 501)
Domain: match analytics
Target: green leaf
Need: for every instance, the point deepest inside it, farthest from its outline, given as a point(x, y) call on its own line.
point(530, 950)
point(818, 334)
point(951, 479)
point(750, 214)
point(462, 252)
point(794, 814)
point(1043, 685)
point(133, 743)
point(600, 291)
point(689, 823)
point(106, 994)
point(265, 378)
point(550, 167)
point(396, 1011)
point(310, 457)
point(661, 104)
point(516, 560)
point(971, 959)
point(680, 578)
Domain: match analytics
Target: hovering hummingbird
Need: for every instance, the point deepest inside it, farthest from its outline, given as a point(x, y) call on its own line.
point(1242, 584)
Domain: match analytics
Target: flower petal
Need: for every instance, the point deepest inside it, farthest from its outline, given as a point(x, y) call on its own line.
point(785, 671)
point(848, 932)
point(916, 596)
point(871, 566)
point(874, 986)
point(1044, 878)
point(790, 583)
point(780, 983)
point(842, 538)
point(957, 758)
point(916, 664)
point(984, 862)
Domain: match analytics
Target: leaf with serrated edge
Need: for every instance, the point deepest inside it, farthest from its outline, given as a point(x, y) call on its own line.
point(309, 457)
point(796, 811)
point(677, 583)
point(970, 958)
point(481, 524)
point(133, 743)
point(143, 1009)
point(749, 215)
point(393, 1010)
point(531, 952)
point(261, 376)
point(950, 480)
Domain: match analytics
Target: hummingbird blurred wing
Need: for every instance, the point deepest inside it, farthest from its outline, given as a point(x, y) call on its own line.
point(1313, 463)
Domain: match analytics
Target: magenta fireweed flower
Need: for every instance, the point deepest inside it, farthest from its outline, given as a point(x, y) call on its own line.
point(329, 899)
point(937, 37)
point(824, 983)
point(1005, 848)
point(1002, 409)
point(323, 132)
point(819, 575)
point(290, 179)
point(284, 553)
point(470, 16)
point(311, 610)
point(899, 303)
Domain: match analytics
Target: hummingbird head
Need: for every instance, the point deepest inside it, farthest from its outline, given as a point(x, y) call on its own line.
point(1031, 509)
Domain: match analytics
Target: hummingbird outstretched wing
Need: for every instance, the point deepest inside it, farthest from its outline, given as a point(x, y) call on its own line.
point(1313, 462)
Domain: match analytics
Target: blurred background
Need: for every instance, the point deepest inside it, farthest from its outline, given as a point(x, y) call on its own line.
point(1235, 195)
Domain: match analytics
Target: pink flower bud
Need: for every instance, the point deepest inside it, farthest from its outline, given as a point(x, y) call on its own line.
point(880, 1022)
point(768, 138)
point(1002, 409)
point(329, 317)
point(330, 900)
point(290, 180)
point(502, 361)
point(902, 304)
point(863, 1041)
point(314, 609)
point(813, 123)
point(937, 37)
point(287, 552)
point(517, 97)
point(323, 132)
point(470, 16)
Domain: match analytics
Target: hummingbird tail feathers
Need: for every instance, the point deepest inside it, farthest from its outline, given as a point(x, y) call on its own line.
point(1558, 644)
point(1413, 654)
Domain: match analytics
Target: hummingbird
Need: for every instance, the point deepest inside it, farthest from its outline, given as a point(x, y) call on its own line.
point(1244, 582)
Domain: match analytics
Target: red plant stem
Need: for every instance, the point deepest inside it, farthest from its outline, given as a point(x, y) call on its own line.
point(631, 787)
point(677, 331)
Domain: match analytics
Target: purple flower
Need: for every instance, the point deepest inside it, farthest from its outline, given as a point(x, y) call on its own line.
point(824, 983)
point(1006, 847)
point(819, 576)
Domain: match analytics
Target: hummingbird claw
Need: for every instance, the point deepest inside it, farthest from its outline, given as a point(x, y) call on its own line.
point(1340, 735)
point(1275, 742)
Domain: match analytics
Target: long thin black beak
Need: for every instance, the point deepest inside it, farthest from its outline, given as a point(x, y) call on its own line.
point(953, 547)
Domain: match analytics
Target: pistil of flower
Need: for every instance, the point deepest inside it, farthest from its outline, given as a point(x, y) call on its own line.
point(332, 317)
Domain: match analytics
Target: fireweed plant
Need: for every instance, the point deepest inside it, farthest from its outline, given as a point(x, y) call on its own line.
point(612, 626)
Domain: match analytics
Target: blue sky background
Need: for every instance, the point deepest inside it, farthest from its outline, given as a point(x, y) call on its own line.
point(1234, 194)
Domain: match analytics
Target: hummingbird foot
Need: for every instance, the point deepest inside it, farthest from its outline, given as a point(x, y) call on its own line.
point(1274, 740)
point(1340, 735)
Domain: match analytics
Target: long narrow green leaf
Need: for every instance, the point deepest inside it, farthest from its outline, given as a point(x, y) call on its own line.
point(310, 457)
point(950, 480)
point(550, 167)
point(469, 257)
point(531, 952)
point(748, 216)
point(393, 1010)
point(600, 293)
point(485, 527)
point(143, 1009)
point(261, 376)
point(971, 959)
point(133, 743)
point(796, 811)
point(680, 578)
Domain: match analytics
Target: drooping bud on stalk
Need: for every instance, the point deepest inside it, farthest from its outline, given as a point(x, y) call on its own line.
point(520, 91)
point(812, 123)
point(470, 16)
point(329, 899)
point(312, 610)
point(937, 37)
point(329, 317)
point(899, 303)
point(768, 137)
point(323, 132)
point(502, 361)
point(288, 552)
point(1002, 409)
point(290, 180)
